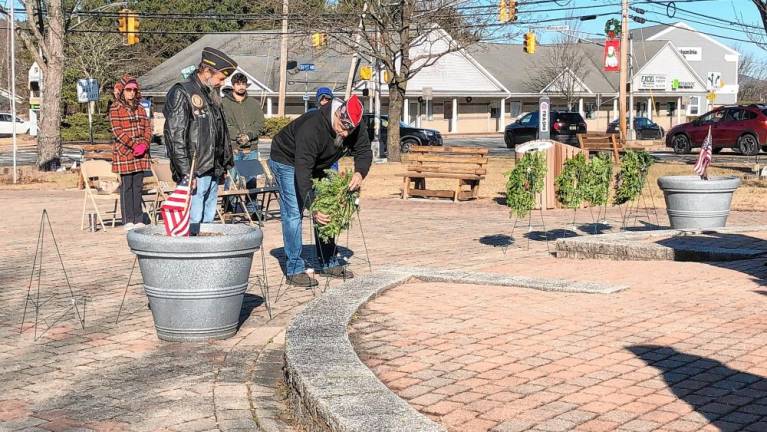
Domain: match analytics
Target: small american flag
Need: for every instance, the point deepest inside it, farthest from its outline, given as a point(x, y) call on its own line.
point(175, 211)
point(704, 158)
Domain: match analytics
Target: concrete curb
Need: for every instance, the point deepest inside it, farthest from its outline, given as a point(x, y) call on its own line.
point(642, 246)
point(329, 387)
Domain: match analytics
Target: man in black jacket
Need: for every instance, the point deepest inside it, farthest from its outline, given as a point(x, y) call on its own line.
point(195, 125)
point(301, 151)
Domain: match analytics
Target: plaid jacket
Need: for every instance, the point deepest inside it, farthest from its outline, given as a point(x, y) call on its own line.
point(129, 127)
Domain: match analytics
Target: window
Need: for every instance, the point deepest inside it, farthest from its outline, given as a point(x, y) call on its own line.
point(712, 117)
point(530, 119)
point(748, 115)
point(641, 123)
point(5, 117)
point(515, 109)
point(693, 105)
point(734, 114)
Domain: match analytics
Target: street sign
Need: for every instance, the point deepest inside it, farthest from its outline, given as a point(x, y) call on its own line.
point(427, 93)
point(711, 96)
point(147, 104)
point(306, 67)
point(87, 90)
point(306, 97)
point(544, 117)
point(714, 80)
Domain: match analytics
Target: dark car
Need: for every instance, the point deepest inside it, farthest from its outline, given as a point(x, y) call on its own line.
point(564, 128)
point(408, 135)
point(742, 128)
point(645, 128)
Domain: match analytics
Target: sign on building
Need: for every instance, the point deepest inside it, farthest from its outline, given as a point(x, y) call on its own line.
point(652, 82)
point(682, 85)
point(691, 53)
point(87, 90)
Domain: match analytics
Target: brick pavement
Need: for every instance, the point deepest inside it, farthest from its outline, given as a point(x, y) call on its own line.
point(683, 349)
point(121, 377)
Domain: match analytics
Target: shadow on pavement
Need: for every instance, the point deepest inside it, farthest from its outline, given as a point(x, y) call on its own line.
point(728, 398)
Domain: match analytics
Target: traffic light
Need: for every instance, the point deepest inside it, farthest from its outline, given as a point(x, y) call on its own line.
point(133, 24)
point(319, 39)
point(122, 21)
point(366, 73)
point(529, 44)
point(507, 11)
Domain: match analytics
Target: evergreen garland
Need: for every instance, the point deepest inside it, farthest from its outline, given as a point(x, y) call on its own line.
point(597, 182)
point(632, 176)
point(333, 198)
point(570, 182)
point(524, 182)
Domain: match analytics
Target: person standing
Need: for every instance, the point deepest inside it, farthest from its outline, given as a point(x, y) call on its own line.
point(195, 126)
point(131, 134)
point(244, 117)
point(303, 150)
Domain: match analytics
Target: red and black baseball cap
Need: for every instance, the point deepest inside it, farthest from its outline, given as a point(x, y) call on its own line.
point(351, 112)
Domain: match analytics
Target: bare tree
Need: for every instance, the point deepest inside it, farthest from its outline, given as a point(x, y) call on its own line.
point(405, 37)
point(560, 69)
point(752, 78)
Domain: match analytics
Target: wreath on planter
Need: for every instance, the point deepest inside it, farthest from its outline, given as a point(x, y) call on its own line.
point(333, 198)
point(613, 28)
point(570, 182)
point(596, 185)
point(524, 182)
point(631, 178)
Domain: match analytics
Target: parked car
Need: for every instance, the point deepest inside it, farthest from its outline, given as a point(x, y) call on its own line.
point(408, 135)
point(742, 128)
point(7, 126)
point(564, 128)
point(645, 128)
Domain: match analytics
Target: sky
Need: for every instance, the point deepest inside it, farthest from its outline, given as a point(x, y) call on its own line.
point(716, 20)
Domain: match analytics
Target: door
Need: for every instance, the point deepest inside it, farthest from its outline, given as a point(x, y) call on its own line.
point(727, 131)
point(413, 113)
point(699, 129)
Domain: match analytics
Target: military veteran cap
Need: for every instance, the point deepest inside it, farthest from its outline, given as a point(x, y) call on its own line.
point(218, 61)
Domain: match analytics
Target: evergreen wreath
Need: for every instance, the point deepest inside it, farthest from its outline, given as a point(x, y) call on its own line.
point(613, 28)
point(570, 182)
point(597, 182)
point(333, 198)
point(524, 182)
point(632, 176)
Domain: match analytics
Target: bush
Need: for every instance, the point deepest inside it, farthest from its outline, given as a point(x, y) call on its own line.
point(273, 125)
point(74, 127)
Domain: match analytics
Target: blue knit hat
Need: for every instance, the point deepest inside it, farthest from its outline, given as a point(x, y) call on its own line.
point(324, 92)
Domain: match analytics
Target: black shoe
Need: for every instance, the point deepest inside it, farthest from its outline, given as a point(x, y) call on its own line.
point(302, 280)
point(339, 272)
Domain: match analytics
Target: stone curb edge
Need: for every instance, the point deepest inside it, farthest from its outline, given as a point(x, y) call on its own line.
point(627, 246)
point(331, 389)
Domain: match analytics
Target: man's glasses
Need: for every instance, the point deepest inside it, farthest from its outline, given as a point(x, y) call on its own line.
point(132, 90)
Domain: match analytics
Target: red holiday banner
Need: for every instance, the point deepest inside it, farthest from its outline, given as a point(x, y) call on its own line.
point(612, 62)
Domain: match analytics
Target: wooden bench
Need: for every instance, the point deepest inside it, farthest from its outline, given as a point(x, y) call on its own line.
point(468, 165)
point(593, 142)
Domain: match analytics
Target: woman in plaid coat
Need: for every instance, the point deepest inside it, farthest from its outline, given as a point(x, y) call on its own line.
point(131, 133)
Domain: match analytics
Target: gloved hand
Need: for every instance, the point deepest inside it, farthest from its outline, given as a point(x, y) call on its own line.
point(140, 149)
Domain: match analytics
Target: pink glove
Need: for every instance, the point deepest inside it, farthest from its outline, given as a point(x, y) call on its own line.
point(139, 149)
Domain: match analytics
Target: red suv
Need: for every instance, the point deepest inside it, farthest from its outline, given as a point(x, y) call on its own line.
point(742, 128)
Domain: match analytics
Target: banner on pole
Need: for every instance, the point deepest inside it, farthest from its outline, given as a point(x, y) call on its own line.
point(612, 61)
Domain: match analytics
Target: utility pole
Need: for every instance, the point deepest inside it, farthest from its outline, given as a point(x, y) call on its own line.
point(13, 86)
point(355, 55)
point(624, 68)
point(283, 60)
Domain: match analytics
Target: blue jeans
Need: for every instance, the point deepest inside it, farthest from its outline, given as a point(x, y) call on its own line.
point(204, 202)
point(291, 218)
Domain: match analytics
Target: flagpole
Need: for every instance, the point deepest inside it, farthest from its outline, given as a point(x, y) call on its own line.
point(13, 86)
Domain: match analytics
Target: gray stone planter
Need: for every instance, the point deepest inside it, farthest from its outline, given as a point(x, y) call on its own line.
point(695, 203)
point(195, 285)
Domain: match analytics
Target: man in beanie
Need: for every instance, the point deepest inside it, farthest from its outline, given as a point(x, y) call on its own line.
point(303, 150)
point(195, 127)
point(324, 96)
point(244, 117)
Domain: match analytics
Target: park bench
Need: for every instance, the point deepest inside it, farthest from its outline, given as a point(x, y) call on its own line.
point(467, 165)
point(597, 141)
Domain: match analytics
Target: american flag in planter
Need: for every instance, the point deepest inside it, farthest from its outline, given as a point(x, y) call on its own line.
point(175, 211)
point(704, 158)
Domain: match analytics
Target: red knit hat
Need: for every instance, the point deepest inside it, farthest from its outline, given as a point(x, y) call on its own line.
point(352, 110)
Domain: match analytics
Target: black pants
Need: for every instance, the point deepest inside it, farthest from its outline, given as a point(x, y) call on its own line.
point(326, 251)
point(130, 197)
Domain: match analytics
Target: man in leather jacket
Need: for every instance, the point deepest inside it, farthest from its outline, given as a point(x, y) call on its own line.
point(195, 127)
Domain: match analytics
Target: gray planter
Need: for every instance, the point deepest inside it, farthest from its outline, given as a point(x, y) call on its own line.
point(695, 203)
point(195, 285)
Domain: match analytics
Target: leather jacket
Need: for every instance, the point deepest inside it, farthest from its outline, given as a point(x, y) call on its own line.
point(194, 124)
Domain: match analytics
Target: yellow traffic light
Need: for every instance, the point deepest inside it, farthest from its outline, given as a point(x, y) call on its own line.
point(529, 43)
point(366, 73)
point(122, 21)
point(512, 10)
point(133, 24)
point(319, 40)
point(507, 11)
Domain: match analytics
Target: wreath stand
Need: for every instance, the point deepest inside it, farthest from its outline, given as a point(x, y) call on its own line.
point(51, 319)
point(633, 211)
point(530, 225)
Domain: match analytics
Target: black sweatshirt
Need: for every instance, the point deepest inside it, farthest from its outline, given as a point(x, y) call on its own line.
point(308, 144)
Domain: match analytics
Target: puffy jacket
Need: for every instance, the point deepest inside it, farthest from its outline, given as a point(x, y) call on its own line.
point(308, 144)
point(194, 123)
point(244, 117)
